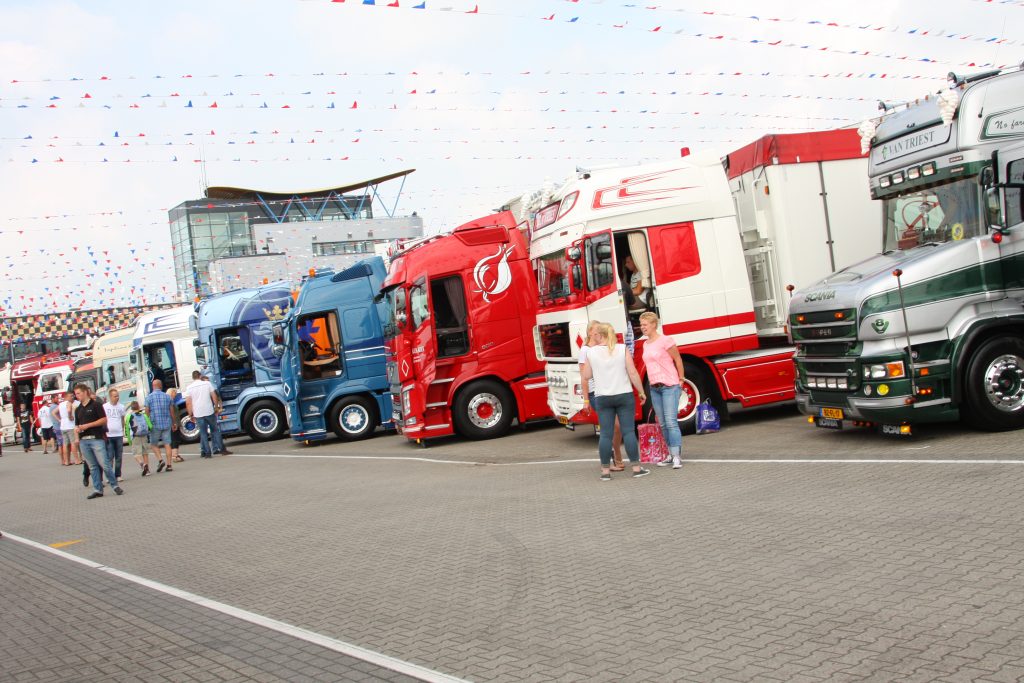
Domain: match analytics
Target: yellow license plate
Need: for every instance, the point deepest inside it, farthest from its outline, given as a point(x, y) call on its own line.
point(563, 420)
point(834, 413)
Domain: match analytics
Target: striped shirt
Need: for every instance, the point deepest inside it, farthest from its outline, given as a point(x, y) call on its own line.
point(159, 405)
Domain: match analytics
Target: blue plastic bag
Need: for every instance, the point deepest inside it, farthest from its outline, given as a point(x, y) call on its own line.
point(707, 418)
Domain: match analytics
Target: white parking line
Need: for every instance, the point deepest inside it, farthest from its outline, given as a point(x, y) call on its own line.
point(723, 461)
point(355, 651)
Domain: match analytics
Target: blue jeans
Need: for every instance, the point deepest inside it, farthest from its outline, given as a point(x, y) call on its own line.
point(26, 435)
point(115, 449)
point(623, 407)
point(209, 422)
point(666, 407)
point(95, 453)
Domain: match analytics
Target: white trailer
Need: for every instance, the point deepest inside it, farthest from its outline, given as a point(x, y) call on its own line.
point(810, 192)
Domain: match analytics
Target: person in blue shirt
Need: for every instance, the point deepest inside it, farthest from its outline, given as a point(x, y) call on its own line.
point(158, 408)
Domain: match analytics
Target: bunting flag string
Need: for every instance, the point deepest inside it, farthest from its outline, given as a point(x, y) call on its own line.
point(95, 102)
point(685, 33)
point(833, 24)
point(929, 74)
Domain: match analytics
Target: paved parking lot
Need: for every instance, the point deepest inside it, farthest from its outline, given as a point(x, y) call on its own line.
point(779, 552)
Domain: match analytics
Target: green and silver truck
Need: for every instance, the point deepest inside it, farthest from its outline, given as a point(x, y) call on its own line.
point(931, 329)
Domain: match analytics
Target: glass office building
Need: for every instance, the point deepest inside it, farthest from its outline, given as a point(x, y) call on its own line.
point(236, 222)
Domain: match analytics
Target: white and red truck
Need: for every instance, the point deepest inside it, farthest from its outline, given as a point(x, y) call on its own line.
point(716, 243)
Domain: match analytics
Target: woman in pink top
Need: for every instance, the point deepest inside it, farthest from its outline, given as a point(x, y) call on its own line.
point(665, 374)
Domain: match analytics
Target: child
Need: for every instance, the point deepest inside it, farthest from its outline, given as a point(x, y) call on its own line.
point(138, 426)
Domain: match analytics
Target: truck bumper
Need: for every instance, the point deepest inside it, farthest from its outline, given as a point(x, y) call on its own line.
point(879, 410)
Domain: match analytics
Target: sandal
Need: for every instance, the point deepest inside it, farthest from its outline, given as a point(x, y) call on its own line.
point(178, 458)
point(617, 469)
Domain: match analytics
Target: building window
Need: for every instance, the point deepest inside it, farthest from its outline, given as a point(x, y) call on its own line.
point(347, 247)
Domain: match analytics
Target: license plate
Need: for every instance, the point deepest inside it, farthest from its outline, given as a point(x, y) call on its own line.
point(828, 423)
point(833, 413)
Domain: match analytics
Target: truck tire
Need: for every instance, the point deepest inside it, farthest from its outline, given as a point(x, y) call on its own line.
point(483, 410)
point(994, 385)
point(188, 429)
point(264, 420)
point(353, 418)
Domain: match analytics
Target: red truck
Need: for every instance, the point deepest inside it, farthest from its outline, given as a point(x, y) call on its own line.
point(459, 333)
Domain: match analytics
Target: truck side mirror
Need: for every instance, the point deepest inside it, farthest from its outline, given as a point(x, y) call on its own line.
point(604, 252)
point(994, 209)
point(278, 333)
point(401, 318)
point(574, 253)
point(277, 350)
point(196, 342)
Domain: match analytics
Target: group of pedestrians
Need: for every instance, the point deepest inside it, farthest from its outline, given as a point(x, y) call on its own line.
point(610, 376)
point(94, 435)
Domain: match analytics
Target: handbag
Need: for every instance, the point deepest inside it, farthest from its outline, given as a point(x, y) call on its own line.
point(708, 421)
point(653, 448)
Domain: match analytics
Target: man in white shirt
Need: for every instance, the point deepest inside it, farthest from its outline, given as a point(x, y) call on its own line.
point(115, 430)
point(69, 447)
point(45, 421)
point(203, 403)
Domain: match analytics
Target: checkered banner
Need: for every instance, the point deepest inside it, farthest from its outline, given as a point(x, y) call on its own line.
point(92, 323)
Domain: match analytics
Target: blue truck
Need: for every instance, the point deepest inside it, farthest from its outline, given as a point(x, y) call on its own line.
point(236, 334)
point(333, 357)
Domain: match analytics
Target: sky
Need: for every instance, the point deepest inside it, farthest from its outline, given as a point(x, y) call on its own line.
point(113, 112)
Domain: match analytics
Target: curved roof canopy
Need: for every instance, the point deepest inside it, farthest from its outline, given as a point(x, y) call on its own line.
point(223, 192)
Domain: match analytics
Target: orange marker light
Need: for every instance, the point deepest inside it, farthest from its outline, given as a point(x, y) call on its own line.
point(840, 315)
point(801, 319)
point(894, 369)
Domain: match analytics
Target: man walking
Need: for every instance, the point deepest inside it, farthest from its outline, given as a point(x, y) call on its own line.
point(158, 408)
point(66, 412)
point(25, 422)
point(91, 425)
point(203, 403)
point(45, 422)
point(115, 430)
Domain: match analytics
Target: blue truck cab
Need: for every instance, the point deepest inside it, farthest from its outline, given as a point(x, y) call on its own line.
point(236, 332)
point(333, 358)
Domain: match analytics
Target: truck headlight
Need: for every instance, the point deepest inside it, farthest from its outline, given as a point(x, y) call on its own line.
point(894, 369)
point(406, 403)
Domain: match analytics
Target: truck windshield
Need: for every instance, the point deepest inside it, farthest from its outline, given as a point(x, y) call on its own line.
point(396, 311)
point(933, 215)
point(553, 277)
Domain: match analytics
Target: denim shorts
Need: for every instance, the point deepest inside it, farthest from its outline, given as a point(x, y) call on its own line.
point(160, 437)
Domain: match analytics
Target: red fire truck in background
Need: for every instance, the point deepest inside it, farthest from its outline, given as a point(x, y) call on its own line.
point(461, 310)
point(716, 279)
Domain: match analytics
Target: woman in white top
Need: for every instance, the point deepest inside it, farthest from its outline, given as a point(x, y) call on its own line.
point(613, 372)
point(616, 465)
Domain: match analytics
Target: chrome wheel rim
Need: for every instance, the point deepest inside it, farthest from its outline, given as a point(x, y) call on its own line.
point(353, 419)
point(689, 399)
point(1004, 383)
point(484, 410)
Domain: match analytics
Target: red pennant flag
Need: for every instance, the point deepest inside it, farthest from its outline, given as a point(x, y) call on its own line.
point(475, 10)
point(355, 105)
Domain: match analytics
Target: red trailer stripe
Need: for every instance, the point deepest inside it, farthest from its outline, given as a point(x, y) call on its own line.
point(709, 323)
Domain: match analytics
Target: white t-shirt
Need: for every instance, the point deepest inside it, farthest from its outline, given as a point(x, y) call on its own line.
point(582, 361)
point(45, 418)
point(67, 415)
point(115, 418)
point(609, 369)
point(201, 393)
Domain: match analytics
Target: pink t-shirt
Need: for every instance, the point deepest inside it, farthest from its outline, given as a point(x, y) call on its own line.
point(661, 369)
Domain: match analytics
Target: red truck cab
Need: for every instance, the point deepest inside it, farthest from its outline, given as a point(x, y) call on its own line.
point(459, 333)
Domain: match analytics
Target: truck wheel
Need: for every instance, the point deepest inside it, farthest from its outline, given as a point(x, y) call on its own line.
point(353, 418)
point(188, 429)
point(994, 385)
point(483, 410)
point(264, 420)
point(697, 388)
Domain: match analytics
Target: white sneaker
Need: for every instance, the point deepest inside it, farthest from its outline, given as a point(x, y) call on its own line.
point(676, 464)
point(664, 463)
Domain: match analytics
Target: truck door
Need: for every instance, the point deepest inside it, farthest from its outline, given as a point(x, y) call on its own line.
point(319, 345)
point(601, 283)
point(1013, 216)
point(421, 322)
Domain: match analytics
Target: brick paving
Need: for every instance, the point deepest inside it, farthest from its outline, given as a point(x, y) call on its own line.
point(63, 621)
point(721, 571)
